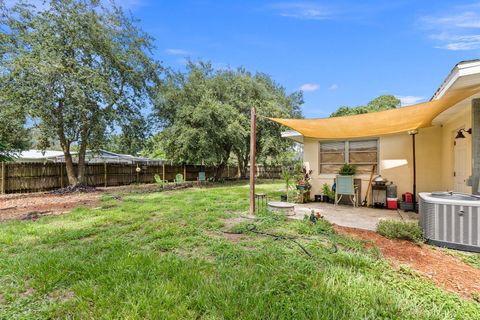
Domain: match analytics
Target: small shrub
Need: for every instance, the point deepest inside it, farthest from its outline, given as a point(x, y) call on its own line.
point(327, 191)
point(347, 170)
point(394, 229)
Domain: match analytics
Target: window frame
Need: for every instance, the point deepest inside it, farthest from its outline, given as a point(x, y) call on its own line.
point(347, 154)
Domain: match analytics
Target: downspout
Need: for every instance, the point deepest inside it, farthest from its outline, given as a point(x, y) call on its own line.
point(413, 133)
point(475, 146)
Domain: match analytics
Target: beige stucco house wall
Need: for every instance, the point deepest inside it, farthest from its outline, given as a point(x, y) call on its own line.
point(435, 147)
point(434, 159)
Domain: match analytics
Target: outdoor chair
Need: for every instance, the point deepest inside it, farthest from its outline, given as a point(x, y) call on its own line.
point(160, 181)
point(345, 186)
point(179, 178)
point(201, 177)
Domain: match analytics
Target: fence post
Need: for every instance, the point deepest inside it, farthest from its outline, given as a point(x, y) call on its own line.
point(184, 173)
point(105, 177)
point(163, 171)
point(4, 176)
point(61, 175)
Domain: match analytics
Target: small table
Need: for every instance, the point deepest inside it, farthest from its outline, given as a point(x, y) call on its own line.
point(260, 201)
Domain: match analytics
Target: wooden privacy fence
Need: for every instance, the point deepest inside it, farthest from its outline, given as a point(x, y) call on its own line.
point(33, 177)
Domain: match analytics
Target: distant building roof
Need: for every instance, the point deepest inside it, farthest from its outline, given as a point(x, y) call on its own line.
point(100, 156)
point(37, 155)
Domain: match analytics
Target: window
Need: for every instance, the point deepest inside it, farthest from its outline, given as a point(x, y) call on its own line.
point(361, 153)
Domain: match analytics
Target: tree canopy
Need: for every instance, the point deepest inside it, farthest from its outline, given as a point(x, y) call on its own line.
point(381, 103)
point(76, 68)
point(14, 137)
point(205, 115)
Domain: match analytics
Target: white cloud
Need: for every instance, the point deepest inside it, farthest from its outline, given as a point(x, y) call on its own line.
point(309, 87)
point(130, 4)
point(409, 100)
point(467, 19)
point(177, 52)
point(333, 87)
point(302, 10)
point(457, 42)
point(458, 30)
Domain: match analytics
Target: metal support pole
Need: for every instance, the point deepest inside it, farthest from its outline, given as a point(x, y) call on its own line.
point(253, 149)
point(413, 133)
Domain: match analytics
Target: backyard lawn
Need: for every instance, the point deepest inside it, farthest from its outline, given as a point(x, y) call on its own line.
point(189, 254)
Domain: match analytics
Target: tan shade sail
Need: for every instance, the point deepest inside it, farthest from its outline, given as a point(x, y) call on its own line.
point(378, 123)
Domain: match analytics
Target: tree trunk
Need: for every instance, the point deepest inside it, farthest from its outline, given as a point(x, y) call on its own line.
point(220, 168)
point(242, 163)
point(82, 179)
point(72, 177)
point(219, 171)
point(84, 135)
point(81, 164)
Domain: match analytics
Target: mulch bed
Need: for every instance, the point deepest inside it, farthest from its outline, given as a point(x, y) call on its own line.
point(444, 270)
point(71, 189)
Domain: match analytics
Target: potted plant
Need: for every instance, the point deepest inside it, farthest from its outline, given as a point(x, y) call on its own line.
point(326, 191)
point(303, 184)
point(287, 178)
point(331, 196)
point(347, 170)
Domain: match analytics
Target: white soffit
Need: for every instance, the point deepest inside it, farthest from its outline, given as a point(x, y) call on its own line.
point(294, 135)
point(464, 74)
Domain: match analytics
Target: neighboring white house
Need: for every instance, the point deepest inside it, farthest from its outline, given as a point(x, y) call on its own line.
point(101, 156)
point(37, 155)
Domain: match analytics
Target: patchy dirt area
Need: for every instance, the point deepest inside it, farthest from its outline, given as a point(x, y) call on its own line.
point(226, 231)
point(34, 205)
point(444, 270)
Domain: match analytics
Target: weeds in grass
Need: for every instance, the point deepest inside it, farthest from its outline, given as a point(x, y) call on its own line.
point(471, 258)
point(405, 230)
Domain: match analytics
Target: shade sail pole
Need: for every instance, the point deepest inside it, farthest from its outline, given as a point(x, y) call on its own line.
point(413, 133)
point(253, 155)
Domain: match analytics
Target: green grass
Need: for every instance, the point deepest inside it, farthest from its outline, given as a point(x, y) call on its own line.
point(165, 256)
point(405, 230)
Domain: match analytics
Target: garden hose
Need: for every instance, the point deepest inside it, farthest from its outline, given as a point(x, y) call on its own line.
point(253, 228)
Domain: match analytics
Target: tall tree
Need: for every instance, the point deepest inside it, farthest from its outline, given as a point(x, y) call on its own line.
point(77, 67)
point(14, 137)
point(381, 103)
point(205, 115)
point(132, 138)
point(246, 90)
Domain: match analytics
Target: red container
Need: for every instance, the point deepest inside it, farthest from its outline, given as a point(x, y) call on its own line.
point(392, 203)
point(407, 196)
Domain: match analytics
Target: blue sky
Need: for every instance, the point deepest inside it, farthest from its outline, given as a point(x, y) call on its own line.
point(339, 52)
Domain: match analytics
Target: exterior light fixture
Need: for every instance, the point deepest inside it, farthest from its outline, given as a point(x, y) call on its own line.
point(460, 134)
point(413, 132)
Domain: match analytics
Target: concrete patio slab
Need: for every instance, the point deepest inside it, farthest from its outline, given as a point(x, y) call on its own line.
point(348, 216)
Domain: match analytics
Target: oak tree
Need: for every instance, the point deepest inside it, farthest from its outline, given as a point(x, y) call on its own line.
point(77, 67)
